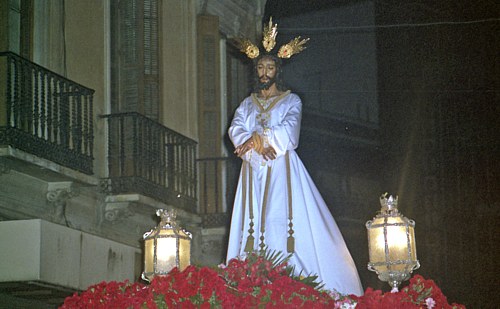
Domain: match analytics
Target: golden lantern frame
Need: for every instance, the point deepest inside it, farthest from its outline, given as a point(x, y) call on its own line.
point(166, 246)
point(391, 244)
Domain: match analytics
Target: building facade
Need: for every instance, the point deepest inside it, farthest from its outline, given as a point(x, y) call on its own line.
point(111, 110)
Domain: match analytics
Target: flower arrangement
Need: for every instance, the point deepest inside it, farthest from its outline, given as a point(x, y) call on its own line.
point(420, 293)
point(255, 281)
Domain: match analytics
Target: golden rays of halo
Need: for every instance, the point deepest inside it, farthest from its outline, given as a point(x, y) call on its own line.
point(269, 34)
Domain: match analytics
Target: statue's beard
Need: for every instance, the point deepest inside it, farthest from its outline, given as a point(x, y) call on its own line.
point(267, 84)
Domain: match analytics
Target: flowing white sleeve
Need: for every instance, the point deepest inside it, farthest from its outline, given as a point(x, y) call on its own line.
point(240, 129)
point(285, 135)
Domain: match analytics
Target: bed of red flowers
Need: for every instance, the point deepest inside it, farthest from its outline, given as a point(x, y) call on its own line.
point(254, 282)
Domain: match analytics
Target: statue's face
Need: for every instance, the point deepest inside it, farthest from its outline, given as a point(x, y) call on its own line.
point(266, 71)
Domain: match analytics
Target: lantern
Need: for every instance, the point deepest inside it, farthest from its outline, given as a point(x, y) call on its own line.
point(166, 246)
point(391, 244)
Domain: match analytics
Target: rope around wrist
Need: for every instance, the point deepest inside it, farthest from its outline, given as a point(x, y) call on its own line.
point(257, 142)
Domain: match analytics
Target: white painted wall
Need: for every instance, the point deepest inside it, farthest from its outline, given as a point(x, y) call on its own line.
point(37, 250)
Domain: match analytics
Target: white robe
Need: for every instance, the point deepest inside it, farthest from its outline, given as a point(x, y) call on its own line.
point(319, 246)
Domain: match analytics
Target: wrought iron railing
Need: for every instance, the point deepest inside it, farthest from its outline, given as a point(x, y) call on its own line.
point(212, 191)
point(218, 178)
point(45, 114)
point(148, 158)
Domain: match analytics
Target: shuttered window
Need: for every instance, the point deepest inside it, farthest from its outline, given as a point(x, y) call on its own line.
point(17, 20)
point(209, 110)
point(134, 48)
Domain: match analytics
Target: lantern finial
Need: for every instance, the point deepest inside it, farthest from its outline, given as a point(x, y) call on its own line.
point(168, 217)
point(389, 204)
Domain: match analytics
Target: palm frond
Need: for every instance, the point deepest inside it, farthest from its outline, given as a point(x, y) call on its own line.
point(275, 257)
point(278, 258)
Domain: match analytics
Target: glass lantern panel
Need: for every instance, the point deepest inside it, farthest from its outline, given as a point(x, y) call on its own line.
point(376, 242)
point(397, 242)
point(149, 255)
point(413, 244)
point(166, 253)
point(184, 253)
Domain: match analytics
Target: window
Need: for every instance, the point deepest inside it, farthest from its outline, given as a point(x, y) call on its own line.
point(134, 50)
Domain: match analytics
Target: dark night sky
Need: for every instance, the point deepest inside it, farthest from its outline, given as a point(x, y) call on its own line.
point(438, 78)
point(287, 8)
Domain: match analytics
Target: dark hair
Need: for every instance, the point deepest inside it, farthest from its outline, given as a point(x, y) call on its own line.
point(279, 80)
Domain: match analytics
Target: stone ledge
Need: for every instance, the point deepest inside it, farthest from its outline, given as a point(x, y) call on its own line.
point(42, 168)
point(37, 250)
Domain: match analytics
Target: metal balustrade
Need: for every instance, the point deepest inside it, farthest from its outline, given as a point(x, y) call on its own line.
point(148, 158)
point(214, 190)
point(45, 114)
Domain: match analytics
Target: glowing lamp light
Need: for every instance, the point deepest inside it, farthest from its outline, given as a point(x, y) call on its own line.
point(166, 246)
point(391, 244)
